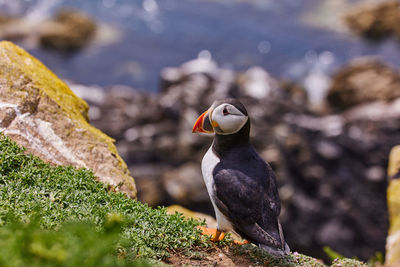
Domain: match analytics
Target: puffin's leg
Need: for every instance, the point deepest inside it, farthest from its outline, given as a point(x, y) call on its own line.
point(216, 235)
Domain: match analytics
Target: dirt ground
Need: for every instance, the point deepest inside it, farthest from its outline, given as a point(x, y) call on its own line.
point(218, 257)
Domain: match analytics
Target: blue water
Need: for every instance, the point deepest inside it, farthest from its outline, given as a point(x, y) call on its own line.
point(238, 34)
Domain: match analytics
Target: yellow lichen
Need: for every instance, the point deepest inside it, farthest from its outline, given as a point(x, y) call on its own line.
point(393, 200)
point(394, 163)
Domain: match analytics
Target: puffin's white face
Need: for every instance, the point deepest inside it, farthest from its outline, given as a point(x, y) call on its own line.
point(227, 119)
point(223, 117)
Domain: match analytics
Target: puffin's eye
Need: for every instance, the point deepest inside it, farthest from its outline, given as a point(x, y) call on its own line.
point(225, 111)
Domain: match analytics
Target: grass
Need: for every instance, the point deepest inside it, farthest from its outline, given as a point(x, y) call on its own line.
point(73, 244)
point(60, 216)
point(62, 194)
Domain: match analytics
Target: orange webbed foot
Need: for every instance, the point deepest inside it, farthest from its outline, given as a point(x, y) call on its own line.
point(216, 235)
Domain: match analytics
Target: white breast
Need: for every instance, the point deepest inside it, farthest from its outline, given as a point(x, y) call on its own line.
point(210, 160)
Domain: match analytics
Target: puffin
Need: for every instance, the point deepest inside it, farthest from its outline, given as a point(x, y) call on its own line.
point(241, 185)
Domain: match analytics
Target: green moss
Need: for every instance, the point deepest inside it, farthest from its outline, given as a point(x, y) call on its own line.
point(58, 194)
point(376, 260)
point(74, 244)
point(333, 254)
point(348, 263)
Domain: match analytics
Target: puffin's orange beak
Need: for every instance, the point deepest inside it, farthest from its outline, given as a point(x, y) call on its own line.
point(198, 126)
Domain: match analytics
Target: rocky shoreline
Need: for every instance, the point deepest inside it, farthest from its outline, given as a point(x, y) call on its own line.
point(330, 163)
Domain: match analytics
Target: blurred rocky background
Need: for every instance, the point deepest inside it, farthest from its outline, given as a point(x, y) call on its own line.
point(320, 80)
point(68, 30)
point(330, 163)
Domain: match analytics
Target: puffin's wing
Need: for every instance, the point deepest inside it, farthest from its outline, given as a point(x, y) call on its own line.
point(238, 196)
point(245, 201)
point(249, 192)
point(272, 194)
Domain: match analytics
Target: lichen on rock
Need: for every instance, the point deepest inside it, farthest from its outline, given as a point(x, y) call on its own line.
point(393, 199)
point(41, 113)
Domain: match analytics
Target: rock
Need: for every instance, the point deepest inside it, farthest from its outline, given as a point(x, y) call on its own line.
point(297, 94)
point(41, 113)
point(257, 83)
point(394, 163)
point(335, 229)
point(395, 264)
point(149, 183)
point(375, 173)
point(362, 81)
point(15, 29)
point(375, 21)
point(151, 190)
point(393, 201)
point(68, 30)
point(376, 111)
point(328, 150)
point(5, 19)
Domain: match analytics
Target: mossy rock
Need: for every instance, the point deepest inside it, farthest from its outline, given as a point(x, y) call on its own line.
point(41, 113)
point(393, 199)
